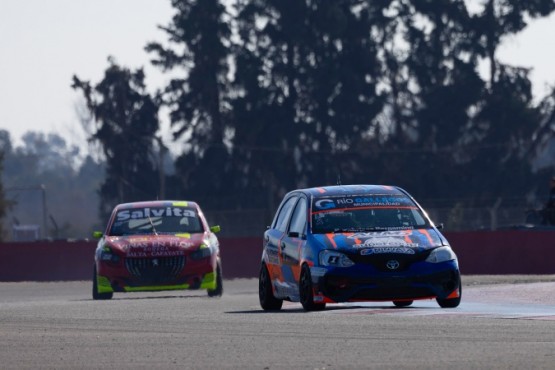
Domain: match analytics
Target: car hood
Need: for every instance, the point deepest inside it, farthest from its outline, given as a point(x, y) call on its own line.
point(155, 245)
point(379, 242)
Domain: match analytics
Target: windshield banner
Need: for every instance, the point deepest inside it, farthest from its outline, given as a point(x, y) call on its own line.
point(331, 203)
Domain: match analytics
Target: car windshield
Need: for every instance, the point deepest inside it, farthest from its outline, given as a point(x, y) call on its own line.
point(365, 213)
point(153, 220)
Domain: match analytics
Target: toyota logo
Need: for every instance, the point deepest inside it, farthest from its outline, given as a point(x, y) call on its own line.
point(392, 264)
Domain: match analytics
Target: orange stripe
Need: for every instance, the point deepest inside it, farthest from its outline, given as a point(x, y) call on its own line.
point(425, 232)
point(330, 237)
point(455, 294)
point(321, 190)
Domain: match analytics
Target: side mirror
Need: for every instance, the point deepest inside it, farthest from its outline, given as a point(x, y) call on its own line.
point(97, 234)
point(439, 226)
point(215, 229)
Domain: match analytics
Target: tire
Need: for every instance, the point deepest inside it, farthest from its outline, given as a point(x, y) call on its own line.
point(219, 283)
point(402, 303)
point(453, 302)
point(306, 291)
point(95, 294)
point(268, 301)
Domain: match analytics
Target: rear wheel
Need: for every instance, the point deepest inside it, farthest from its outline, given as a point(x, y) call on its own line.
point(306, 291)
point(451, 302)
point(219, 283)
point(402, 303)
point(268, 301)
point(96, 295)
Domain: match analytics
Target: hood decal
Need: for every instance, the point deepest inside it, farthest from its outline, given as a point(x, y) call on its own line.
point(156, 245)
point(395, 241)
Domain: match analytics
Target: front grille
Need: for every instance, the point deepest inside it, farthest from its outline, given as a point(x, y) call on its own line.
point(379, 261)
point(155, 269)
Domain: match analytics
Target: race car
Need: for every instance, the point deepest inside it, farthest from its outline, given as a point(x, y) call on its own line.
point(353, 243)
point(157, 245)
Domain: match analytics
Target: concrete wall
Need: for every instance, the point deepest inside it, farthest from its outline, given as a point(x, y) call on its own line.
point(480, 252)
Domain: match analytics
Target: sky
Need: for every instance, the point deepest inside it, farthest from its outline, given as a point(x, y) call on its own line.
point(43, 43)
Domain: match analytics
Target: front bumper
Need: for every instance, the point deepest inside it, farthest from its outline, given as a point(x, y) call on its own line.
point(361, 282)
point(144, 275)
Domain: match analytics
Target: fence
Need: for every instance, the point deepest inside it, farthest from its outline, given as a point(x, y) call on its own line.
point(479, 252)
point(243, 223)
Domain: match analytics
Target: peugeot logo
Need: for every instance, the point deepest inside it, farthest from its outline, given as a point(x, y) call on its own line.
point(392, 264)
point(155, 262)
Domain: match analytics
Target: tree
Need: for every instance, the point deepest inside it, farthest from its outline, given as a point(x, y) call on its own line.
point(500, 18)
point(45, 168)
point(4, 205)
point(198, 102)
point(126, 119)
point(306, 83)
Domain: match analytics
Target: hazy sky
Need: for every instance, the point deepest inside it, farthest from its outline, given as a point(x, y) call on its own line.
point(44, 42)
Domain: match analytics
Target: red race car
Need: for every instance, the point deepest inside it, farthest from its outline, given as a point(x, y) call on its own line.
point(157, 245)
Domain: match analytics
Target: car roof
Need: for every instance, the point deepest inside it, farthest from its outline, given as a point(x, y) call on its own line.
point(157, 203)
point(338, 190)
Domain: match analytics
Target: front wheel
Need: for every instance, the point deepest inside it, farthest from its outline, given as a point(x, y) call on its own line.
point(306, 291)
point(95, 294)
point(219, 283)
point(451, 302)
point(268, 301)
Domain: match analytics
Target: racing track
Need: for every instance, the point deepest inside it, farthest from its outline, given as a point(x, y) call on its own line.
point(58, 325)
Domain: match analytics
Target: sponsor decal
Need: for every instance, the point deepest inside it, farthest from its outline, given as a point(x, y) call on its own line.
point(324, 204)
point(382, 250)
point(154, 243)
point(133, 214)
point(155, 253)
point(384, 242)
point(144, 247)
point(362, 201)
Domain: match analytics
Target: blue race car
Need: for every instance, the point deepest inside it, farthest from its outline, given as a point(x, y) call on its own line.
point(352, 243)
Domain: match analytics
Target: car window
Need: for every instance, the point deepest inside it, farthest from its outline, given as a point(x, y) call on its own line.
point(298, 220)
point(156, 220)
point(284, 212)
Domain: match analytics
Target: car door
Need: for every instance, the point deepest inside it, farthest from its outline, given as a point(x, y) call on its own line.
point(272, 244)
point(293, 241)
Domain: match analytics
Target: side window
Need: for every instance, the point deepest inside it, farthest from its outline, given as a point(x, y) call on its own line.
point(298, 220)
point(284, 212)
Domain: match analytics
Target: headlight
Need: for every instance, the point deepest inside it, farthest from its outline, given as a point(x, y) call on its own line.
point(332, 258)
point(441, 254)
point(108, 256)
point(203, 252)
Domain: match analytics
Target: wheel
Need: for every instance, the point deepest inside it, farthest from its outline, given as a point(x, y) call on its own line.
point(95, 294)
point(219, 283)
point(402, 303)
point(268, 301)
point(306, 291)
point(453, 302)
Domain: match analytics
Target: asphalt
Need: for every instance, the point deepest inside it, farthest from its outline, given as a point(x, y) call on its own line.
point(502, 322)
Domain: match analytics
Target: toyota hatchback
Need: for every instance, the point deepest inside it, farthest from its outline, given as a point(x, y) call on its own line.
point(352, 243)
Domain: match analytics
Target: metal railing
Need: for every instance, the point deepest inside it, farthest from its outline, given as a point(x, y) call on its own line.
point(254, 222)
